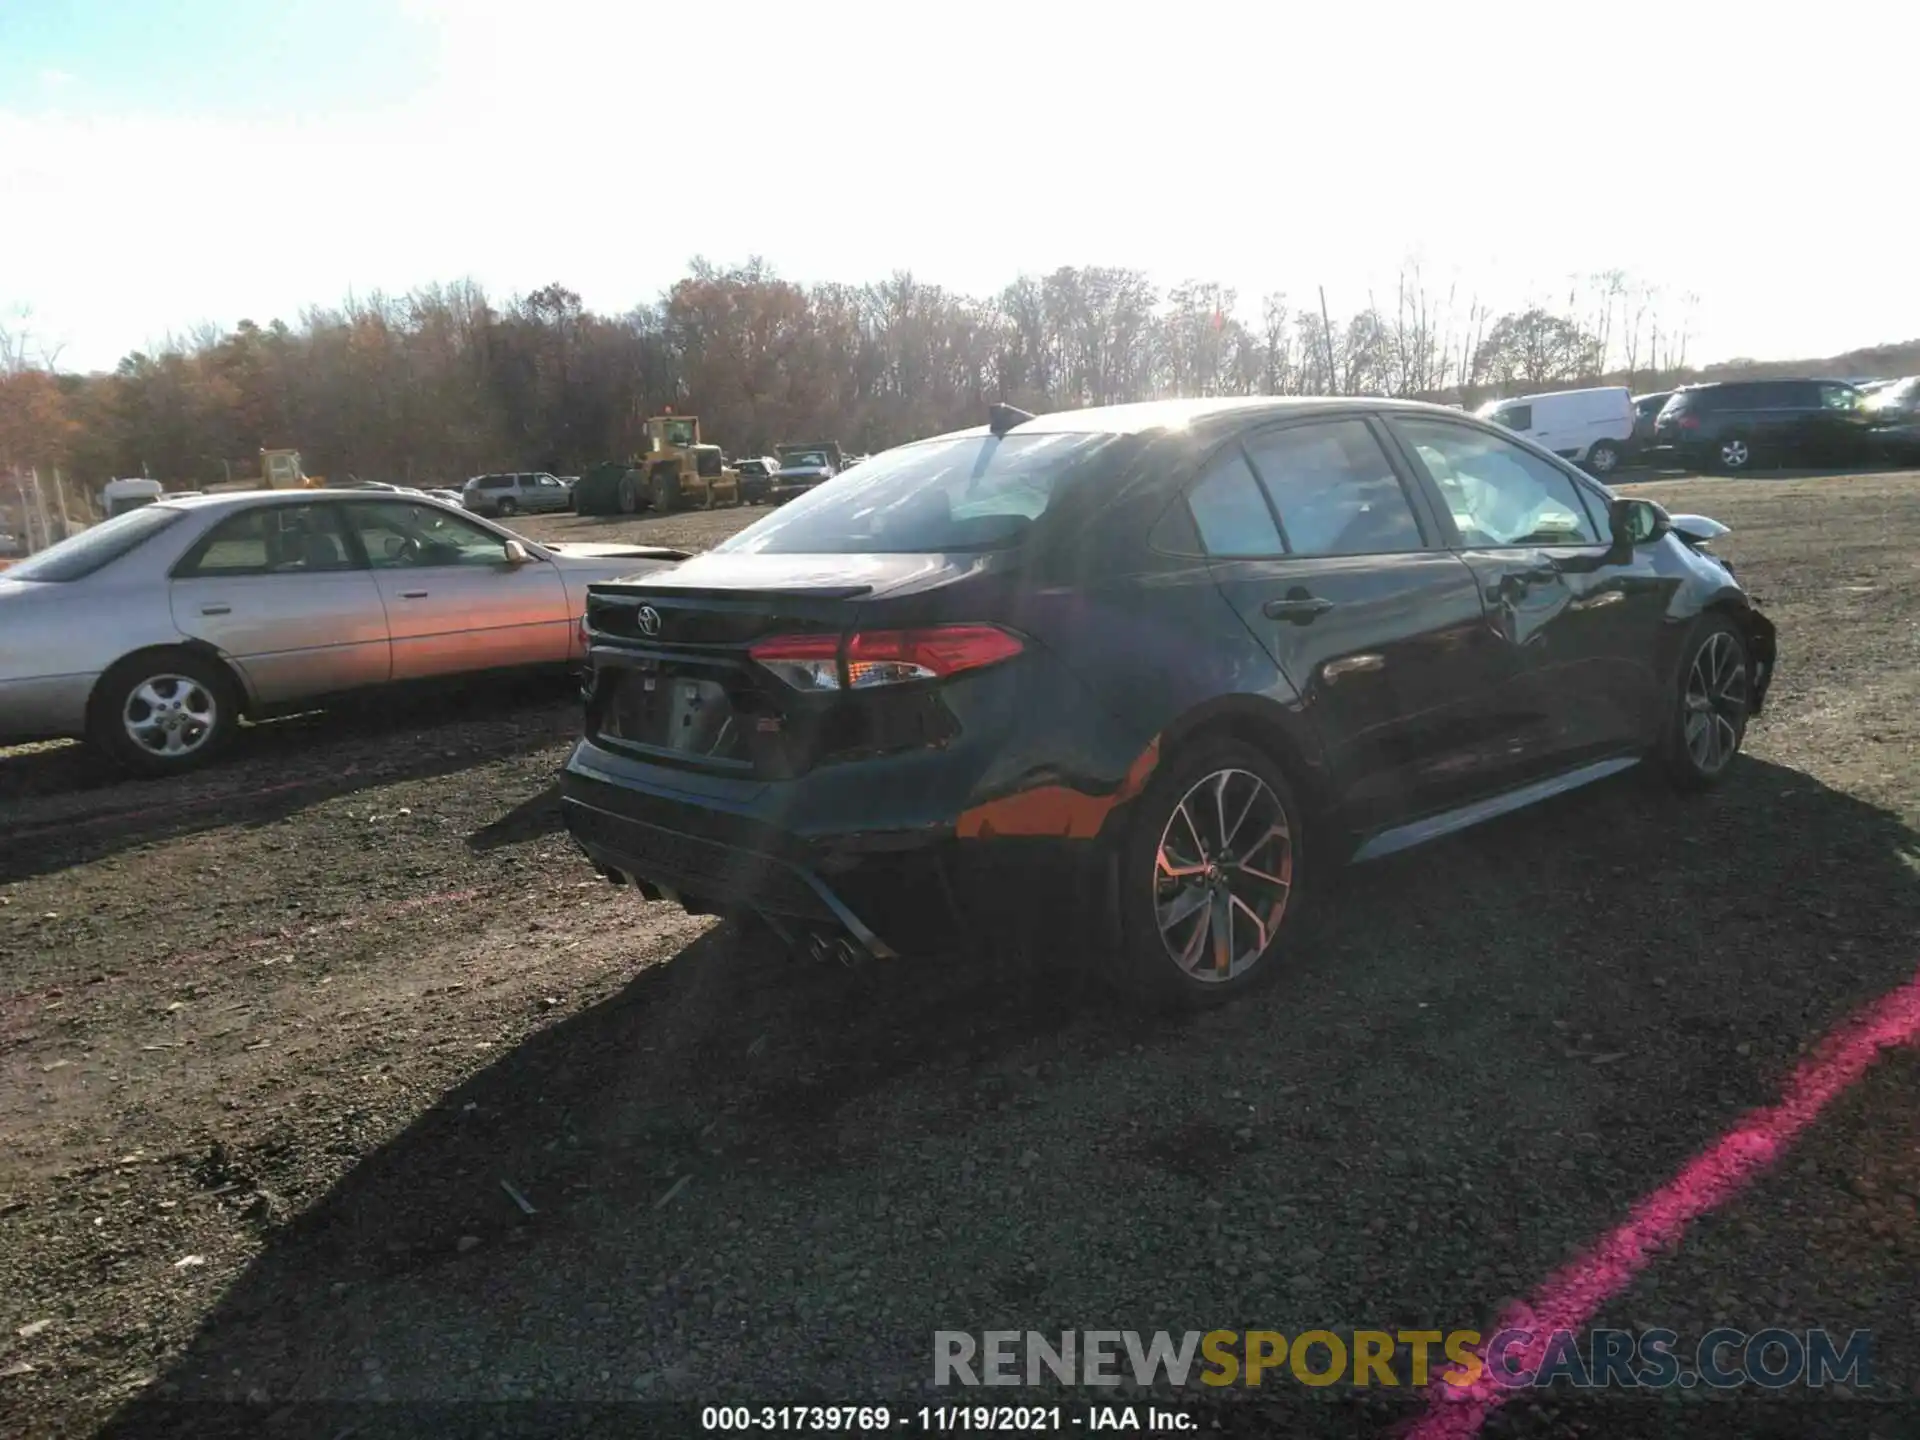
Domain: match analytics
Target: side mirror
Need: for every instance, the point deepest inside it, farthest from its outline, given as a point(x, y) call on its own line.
point(1636, 522)
point(516, 553)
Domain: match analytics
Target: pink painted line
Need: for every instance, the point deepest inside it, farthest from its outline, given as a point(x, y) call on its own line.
point(1571, 1298)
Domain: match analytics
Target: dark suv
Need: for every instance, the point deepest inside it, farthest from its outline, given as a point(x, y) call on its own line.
point(1735, 425)
point(1158, 663)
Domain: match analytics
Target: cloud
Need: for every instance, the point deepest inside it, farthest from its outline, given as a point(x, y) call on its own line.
point(56, 79)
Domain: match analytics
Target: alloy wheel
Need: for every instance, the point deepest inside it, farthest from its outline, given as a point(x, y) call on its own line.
point(1734, 454)
point(170, 715)
point(1603, 460)
point(1716, 703)
point(1223, 875)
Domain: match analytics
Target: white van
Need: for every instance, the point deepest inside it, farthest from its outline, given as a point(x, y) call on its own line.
point(119, 496)
point(1593, 428)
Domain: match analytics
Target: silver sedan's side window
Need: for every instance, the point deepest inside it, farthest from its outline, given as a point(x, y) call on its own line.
point(397, 535)
point(270, 540)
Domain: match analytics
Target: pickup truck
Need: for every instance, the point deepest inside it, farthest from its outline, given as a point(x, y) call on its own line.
point(802, 467)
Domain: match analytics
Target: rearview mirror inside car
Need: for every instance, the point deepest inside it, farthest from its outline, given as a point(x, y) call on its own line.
point(516, 553)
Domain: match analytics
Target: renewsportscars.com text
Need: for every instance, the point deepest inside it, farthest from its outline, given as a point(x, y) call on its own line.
point(1655, 1359)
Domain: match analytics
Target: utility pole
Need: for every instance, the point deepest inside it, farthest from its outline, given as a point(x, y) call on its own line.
point(1326, 333)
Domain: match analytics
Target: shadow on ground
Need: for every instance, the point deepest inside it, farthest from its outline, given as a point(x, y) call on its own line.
point(756, 1180)
point(63, 806)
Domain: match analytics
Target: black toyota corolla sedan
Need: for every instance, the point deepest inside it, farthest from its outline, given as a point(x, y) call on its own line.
point(1161, 662)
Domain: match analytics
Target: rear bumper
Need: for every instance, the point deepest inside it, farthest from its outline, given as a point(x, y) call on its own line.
point(885, 890)
point(48, 707)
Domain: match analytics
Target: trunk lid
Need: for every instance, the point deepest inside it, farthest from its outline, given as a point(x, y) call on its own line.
point(674, 681)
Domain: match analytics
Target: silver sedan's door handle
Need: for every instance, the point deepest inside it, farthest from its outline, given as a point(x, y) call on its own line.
point(216, 609)
point(413, 594)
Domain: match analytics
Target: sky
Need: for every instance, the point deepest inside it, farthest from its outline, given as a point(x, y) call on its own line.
point(167, 164)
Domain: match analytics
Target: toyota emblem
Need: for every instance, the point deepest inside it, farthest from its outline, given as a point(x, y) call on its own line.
point(648, 619)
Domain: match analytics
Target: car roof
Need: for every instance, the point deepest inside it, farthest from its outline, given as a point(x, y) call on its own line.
point(1216, 412)
point(232, 499)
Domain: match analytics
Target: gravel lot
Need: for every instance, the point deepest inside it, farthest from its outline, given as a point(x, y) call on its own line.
point(271, 1039)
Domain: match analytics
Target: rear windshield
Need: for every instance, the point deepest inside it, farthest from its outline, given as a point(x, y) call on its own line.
point(80, 555)
point(977, 492)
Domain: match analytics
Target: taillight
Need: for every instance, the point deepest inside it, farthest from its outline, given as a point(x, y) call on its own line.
point(892, 657)
point(806, 662)
point(1686, 421)
point(884, 657)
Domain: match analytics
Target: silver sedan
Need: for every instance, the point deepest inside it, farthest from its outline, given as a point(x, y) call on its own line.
point(151, 634)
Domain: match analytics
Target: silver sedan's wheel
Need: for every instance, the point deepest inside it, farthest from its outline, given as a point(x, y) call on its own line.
point(1223, 875)
point(1715, 705)
point(170, 716)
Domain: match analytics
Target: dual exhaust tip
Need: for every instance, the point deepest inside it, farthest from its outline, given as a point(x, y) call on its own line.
point(819, 945)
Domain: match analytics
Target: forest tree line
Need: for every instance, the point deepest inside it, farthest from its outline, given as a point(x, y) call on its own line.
point(434, 386)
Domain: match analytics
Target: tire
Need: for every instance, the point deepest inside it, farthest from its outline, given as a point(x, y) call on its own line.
point(1733, 455)
point(666, 493)
point(1604, 458)
point(507, 508)
point(629, 496)
point(1707, 721)
point(128, 722)
point(1172, 963)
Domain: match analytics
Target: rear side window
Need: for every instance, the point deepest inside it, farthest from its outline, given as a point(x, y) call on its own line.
point(269, 540)
point(1514, 417)
point(496, 482)
point(1335, 491)
point(1230, 512)
point(1839, 397)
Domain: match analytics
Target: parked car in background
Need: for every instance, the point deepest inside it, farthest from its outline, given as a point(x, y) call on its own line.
point(756, 474)
point(1893, 419)
point(1164, 662)
point(151, 634)
point(1593, 427)
point(1735, 425)
point(1646, 410)
point(526, 492)
point(803, 467)
point(446, 493)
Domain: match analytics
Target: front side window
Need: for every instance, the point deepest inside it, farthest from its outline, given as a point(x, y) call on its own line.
point(269, 540)
point(397, 535)
point(1334, 489)
point(97, 546)
point(1498, 493)
point(1230, 512)
point(970, 492)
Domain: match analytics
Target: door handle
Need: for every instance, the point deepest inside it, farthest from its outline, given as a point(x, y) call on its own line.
point(1301, 609)
point(216, 609)
point(413, 594)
